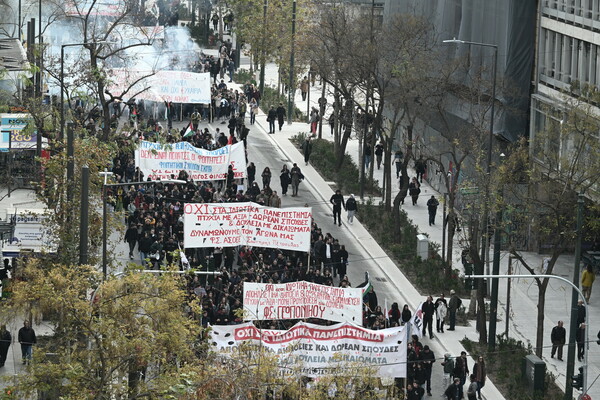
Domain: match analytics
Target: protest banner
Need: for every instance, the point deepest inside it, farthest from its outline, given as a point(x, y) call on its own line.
point(235, 224)
point(176, 86)
point(158, 161)
point(299, 300)
point(315, 350)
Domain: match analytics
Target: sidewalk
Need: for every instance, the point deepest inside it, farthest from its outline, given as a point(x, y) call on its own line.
point(522, 315)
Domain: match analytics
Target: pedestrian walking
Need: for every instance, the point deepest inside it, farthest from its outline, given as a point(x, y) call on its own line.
point(131, 237)
point(297, 177)
point(428, 310)
point(271, 117)
point(480, 375)
point(266, 177)
point(587, 280)
point(448, 365)
point(253, 105)
point(367, 152)
point(280, 115)
point(338, 202)
point(27, 339)
point(406, 315)
point(5, 341)
point(558, 338)
point(398, 162)
point(251, 170)
point(304, 88)
point(378, 154)
point(275, 200)
point(461, 370)
point(441, 310)
point(454, 391)
point(414, 189)
point(420, 168)
point(427, 358)
point(580, 338)
point(414, 391)
point(284, 179)
point(195, 119)
point(306, 149)
point(314, 120)
point(351, 208)
point(472, 389)
point(453, 305)
point(432, 205)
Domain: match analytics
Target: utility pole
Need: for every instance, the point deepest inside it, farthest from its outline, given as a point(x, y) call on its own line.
point(291, 86)
point(574, 296)
point(495, 271)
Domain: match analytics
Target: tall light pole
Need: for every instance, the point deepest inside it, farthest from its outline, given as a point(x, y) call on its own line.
point(573, 323)
point(493, 307)
point(291, 86)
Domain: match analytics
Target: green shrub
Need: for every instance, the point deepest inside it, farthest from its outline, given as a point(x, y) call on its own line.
point(243, 75)
point(323, 160)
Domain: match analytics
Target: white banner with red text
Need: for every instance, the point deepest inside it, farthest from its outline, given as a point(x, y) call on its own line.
point(416, 321)
point(236, 224)
point(315, 350)
point(160, 161)
point(300, 300)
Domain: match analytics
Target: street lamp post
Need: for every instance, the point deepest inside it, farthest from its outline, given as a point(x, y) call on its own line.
point(496, 267)
point(573, 315)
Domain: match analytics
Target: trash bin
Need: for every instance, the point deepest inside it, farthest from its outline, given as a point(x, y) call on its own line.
point(422, 247)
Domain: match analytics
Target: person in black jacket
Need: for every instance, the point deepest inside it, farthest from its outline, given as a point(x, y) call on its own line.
point(131, 237)
point(338, 202)
point(271, 117)
point(558, 338)
point(5, 340)
point(428, 309)
point(145, 247)
point(427, 358)
point(280, 115)
point(27, 339)
point(352, 208)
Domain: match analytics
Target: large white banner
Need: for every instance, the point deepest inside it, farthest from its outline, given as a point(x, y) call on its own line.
point(175, 86)
point(300, 300)
point(235, 224)
point(314, 349)
point(158, 161)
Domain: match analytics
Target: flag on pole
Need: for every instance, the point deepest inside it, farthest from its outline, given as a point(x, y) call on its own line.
point(417, 321)
point(188, 131)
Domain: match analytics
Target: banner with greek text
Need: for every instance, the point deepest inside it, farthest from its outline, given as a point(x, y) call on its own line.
point(176, 86)
point(315, 350)
point(235, 224)
point(158, 161)
point(300, 300)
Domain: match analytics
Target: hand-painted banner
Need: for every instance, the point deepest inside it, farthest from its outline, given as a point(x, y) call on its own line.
point(300, 300)
point(158, 161)
point(175, 86)
point(417, 321)
point(235, 224)
point(315, 350)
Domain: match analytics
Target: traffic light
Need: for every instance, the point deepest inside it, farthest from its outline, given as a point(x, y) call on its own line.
point(577, 380)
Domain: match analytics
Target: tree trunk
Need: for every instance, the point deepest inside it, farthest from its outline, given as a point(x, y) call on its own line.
point(387, 175)
point(396, 218)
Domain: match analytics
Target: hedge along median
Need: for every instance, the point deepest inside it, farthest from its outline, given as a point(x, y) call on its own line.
point(427, 275)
